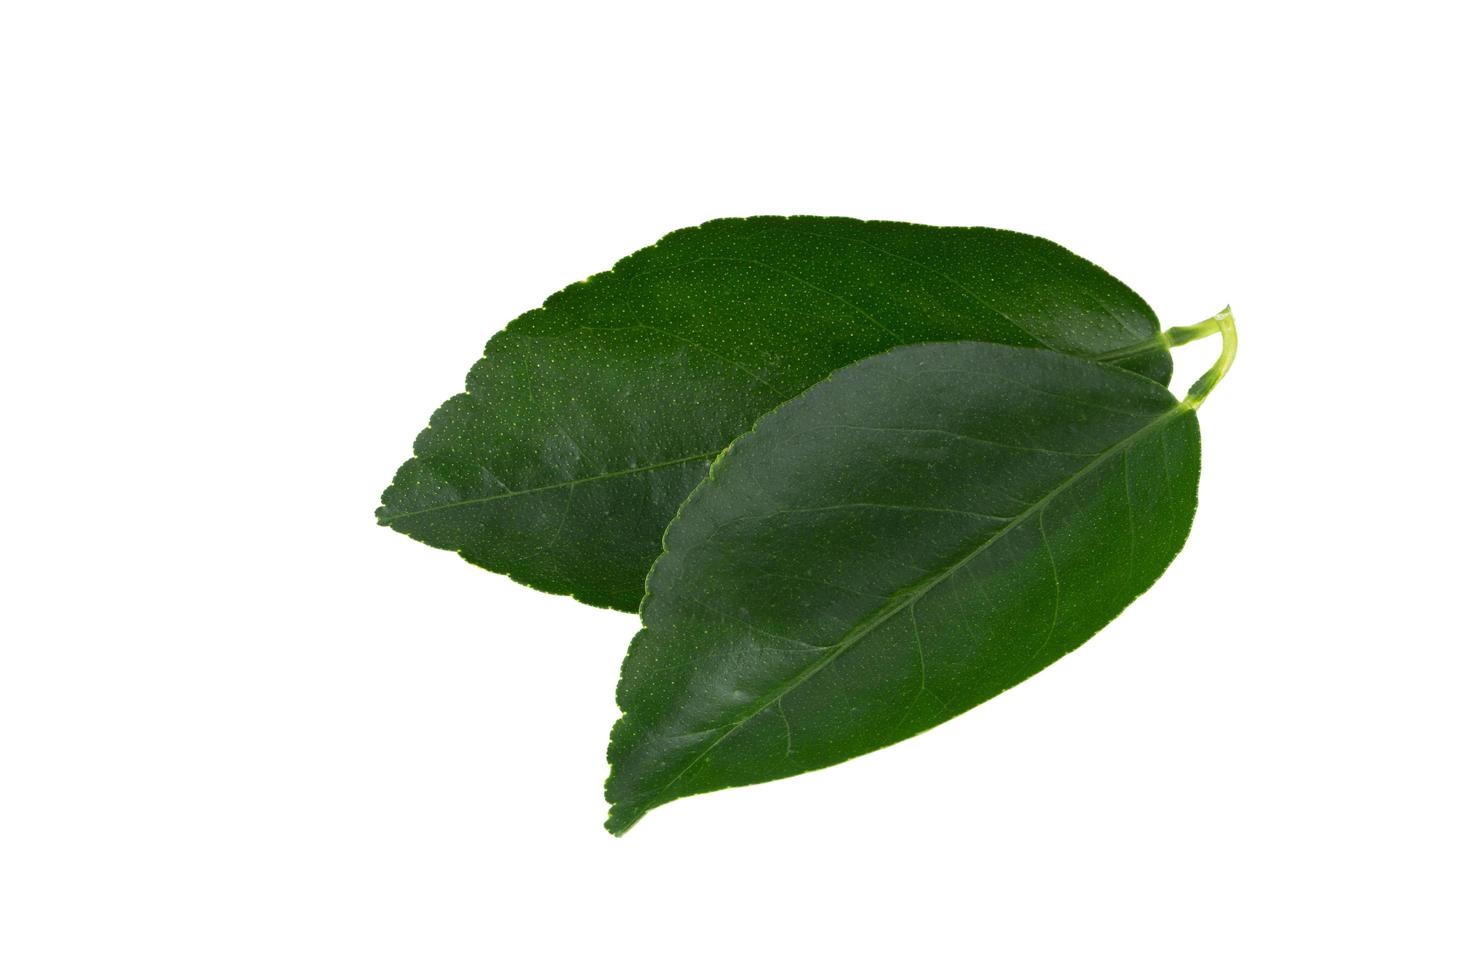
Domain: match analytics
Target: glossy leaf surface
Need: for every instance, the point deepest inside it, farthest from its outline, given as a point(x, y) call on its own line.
point(590, 419)
point(901, 542)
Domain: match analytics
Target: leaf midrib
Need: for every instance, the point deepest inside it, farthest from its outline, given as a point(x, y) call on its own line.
point(549, 486)
point(909, 597)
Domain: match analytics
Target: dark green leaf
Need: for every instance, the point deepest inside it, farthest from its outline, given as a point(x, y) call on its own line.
point(901, 542)
point(590, 419)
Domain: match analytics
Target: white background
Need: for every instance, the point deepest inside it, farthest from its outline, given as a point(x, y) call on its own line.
point(245, 249)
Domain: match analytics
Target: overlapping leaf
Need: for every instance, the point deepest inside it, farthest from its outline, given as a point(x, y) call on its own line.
point(894, 546)
point(590, 419)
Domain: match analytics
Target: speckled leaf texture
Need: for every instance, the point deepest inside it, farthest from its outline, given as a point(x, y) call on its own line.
point(590, 419)
point(899, 543)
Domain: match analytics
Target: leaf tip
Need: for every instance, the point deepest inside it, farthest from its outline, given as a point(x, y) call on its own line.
point(621, 818)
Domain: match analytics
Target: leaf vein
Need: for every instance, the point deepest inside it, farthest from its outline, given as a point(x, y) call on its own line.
point(549, 486)
point(957, 435)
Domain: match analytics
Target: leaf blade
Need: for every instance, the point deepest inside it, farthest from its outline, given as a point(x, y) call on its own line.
point(590, 419)
point(993, 573)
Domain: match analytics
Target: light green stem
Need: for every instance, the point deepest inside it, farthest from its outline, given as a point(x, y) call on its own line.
point(1173, 337)
point(1179, 336)
point(1224, 323)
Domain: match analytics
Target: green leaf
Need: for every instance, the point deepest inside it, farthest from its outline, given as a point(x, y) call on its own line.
point(590, 419)
point(903, 541)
